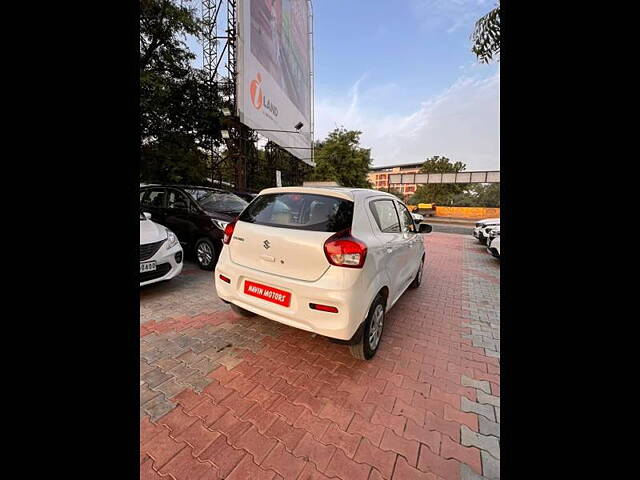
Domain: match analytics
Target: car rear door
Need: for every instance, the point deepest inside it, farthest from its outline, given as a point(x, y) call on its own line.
point(385, 215)
point(178, 215)
point(411, 251)
point(152, 200)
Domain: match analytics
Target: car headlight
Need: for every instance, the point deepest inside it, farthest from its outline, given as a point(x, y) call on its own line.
point(220, 224)
point(172, 240)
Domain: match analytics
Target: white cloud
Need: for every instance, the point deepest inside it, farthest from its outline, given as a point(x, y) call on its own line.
point(450, 15)
point(461, 123)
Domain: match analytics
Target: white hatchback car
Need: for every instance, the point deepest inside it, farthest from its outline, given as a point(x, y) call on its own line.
point(160, 252)
point(493, 242)
point(330, 260)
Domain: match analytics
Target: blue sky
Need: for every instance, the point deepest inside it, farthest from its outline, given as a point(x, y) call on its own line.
point(402, 72)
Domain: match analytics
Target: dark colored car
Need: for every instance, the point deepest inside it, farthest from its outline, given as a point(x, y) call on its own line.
point(197, 215)
point(248, 196)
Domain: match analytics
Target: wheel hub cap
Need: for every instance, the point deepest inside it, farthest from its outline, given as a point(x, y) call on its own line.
point(375, 330)
point(204, 254)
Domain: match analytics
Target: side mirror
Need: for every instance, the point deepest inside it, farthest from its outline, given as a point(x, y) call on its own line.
point(425, 228)
point(147, 215)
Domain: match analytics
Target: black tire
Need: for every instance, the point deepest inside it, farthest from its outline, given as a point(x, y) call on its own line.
point(481, 238)
point(205, 253)
point(418, 280)
point(363, 349)
point(241, 311)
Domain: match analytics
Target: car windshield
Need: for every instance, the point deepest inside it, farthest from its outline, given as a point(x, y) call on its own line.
point(215, 201)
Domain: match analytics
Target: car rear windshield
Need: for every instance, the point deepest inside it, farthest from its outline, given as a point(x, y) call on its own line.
point(223, 202)
point(300, 211)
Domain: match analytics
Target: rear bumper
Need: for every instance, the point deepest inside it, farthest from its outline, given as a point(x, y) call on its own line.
point(351, 305)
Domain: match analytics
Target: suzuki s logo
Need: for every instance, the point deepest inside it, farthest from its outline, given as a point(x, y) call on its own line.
point(259, 99)
point(266, 244)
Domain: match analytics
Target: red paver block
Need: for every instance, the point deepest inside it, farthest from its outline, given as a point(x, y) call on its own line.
point(312, 423)
point(184, 467)
point(238, 404)
point(404, 471)
point(264, 378)
point(387, 375)
point(330, 378)
point(189, 399)
point(357, 391)
point(242, 385)
point(310, 472)
point(307, 368)
point(376, 384)
point(415, 413)
point(431, 438)
point(384, 401)
point(446, 427)
point(217, 391)
point(495, 389)
point(318, 453)
point(343, 467)
point(208, 411)
point(263, 397)
point(409, 449)
point(223, 455)
point(468, 455)
point(246, 368)
point(247, 469)
point(416, 386)
point(287, 410)
point(161, 449)
point(311, 385)
point(284, 463)
point(176, 421)
point(329, 392)
point(450, 398)
point(198, 437)
point(381, 460)
point(364, 409)
point(286, 373)
point(404, 394)
point(388, 420)
point(260, 418)
point(148, 430)
point(430, 462)
point(223, 375)
point(353, 374)
point(338, 415)
point(310, 401)
point(231, 426)
point(361, 426)
point(464, 418)
point(256, 444)
point(327, 364)
point(478, 375)
point(429, 404)
point(288, 435)
point(286, 390)
point(347, 442)
point(147, 472)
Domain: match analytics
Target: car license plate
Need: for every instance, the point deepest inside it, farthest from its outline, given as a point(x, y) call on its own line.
point(147, 267)
point(270, 294)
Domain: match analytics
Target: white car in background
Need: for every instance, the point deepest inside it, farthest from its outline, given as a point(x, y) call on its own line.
point(331, 261)
point(483, 227)
point(161, 256)
point(493, 242)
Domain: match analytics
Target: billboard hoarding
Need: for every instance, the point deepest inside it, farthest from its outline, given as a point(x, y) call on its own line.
point(274, 82)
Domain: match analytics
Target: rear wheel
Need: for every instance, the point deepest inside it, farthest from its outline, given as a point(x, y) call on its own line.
point(369, 341)
point(205, 254)
point(241, 311)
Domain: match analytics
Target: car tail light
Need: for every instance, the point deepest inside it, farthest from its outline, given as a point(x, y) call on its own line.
point(324, 308)
point(228, 232)
point(344, 250)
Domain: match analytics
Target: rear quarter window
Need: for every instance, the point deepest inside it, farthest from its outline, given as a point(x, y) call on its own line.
point(300, 211)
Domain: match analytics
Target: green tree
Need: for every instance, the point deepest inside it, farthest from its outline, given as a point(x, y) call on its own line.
point(438, 193)
point(486, 36)
point(341, 159)
point(178, 117)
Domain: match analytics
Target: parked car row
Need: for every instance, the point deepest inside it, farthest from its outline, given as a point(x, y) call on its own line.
point(488, 233)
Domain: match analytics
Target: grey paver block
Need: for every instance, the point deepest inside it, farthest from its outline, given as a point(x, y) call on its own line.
point(157, 407)
point(466, 473)
point(155, 377)
point(147, 394)
point(497, 409)
point(487, 427)
point(479, 384)
point(467, 405)
point(170, 388)
point(491, 353)
point(489, 443)
point(490, 466)
point(490, 399)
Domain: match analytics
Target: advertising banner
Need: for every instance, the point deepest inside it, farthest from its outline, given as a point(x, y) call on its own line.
point(274, 71)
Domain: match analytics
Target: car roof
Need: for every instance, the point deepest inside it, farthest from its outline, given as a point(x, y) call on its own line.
point(348, 193)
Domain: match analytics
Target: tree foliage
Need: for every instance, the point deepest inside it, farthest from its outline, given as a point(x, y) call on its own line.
point(486, 36)
point(341, 159)
point(438, 193)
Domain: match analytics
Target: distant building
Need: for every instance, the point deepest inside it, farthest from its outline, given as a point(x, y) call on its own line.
point(379, 177)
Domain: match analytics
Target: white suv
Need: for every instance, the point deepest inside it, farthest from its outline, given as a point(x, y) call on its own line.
point(331, 261)
point(483, 227)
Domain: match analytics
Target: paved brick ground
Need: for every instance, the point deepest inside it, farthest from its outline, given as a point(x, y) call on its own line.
point(222, 397)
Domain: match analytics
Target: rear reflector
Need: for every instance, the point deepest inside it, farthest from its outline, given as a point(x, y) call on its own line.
point(225, 279)
point(324, 308)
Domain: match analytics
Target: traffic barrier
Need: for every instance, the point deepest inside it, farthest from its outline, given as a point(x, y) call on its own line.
point(467, 212)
